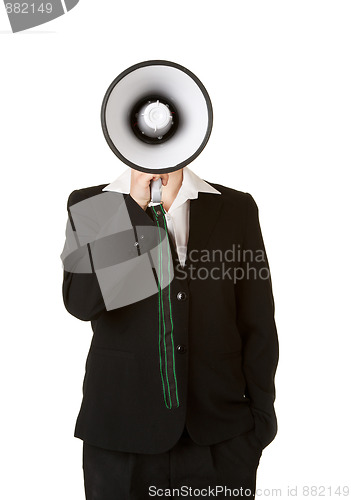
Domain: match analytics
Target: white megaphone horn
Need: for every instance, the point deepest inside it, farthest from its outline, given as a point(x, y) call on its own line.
point(157, 118)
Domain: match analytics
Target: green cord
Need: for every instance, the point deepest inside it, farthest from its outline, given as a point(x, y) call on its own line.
point(164, 326)
point(170, 307)
point(159, 337)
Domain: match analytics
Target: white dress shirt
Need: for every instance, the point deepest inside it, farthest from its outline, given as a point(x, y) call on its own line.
point(178, 215)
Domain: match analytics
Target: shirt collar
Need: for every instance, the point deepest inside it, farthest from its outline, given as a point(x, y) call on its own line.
point(191, 186)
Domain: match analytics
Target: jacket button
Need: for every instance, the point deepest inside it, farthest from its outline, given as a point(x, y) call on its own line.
point(181, 348)
point(181, 295)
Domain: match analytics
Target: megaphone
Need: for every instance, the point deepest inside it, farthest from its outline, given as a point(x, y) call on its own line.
point(156, 117)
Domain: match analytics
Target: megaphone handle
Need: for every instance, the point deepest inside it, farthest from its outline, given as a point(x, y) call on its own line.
point(155, 188)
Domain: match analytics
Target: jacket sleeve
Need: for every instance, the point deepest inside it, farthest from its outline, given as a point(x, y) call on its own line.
point(256, 323)
point(81, 291)
point(90, 285)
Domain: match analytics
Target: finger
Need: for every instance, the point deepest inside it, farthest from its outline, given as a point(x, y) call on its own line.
point(165, 178)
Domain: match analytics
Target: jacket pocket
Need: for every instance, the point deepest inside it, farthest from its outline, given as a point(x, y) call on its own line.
point(112, 352)
point(229, 354)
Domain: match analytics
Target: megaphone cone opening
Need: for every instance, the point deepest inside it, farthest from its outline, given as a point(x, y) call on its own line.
point(142, 118)
point(174, 86)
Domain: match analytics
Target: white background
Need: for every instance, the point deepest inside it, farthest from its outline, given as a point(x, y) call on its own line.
point(279, 77)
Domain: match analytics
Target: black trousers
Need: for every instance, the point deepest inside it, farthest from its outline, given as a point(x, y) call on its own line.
point(223, 470)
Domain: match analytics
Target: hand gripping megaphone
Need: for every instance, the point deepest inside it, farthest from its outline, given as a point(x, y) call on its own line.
point(156, 117)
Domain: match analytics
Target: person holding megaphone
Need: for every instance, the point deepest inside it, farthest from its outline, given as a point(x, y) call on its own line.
point(140, 187)
point(178, 392)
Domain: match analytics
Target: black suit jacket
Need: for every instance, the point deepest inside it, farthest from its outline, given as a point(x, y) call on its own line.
point(225, 347)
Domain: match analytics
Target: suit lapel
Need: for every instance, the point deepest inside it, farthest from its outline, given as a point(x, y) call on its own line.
point(204, 213)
